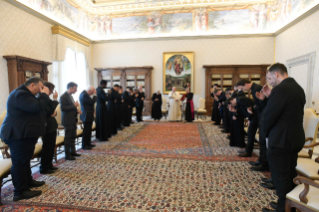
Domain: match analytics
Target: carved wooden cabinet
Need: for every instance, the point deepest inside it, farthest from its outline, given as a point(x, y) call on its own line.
point(129, 77)
point(22, 68)
point(227, 75)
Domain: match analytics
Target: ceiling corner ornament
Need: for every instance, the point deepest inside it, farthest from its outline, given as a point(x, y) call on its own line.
point(69, 34)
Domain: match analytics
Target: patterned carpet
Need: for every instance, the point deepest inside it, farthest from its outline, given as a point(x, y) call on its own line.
point(158, 167)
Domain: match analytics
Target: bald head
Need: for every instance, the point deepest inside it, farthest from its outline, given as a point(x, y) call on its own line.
point(90, 90)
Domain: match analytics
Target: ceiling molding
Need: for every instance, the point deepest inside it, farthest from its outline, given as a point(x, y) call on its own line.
point(57, 28)
point(297, 20)
point(186, 38)
point(70, 34)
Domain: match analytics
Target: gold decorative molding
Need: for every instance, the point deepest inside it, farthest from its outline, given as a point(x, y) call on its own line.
point(69, 34)
point(274, 49)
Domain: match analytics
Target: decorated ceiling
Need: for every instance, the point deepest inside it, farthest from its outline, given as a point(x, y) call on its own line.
point(109, 19)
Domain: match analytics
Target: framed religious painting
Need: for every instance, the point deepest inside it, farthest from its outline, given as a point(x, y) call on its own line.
point(178, 71)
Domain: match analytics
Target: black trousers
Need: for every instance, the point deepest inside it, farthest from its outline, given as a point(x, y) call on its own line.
point(69, 139)
point(262, 143)
point(282, 164)
point(139, 113)
point(252, 129)
point(87, 133)
point(47, 152)
point(21, 154)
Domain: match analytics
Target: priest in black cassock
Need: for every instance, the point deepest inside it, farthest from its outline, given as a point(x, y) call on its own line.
point(126, 121)
point(215, 112)
point(240, 106)
point(140, 106)
point(189, 111)
point(102, 119)
point(118, 106)
point(112, 108)
point(157, 106)
point(131, 103)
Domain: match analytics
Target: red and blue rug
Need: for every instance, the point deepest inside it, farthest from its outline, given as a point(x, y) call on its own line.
point(158, 167)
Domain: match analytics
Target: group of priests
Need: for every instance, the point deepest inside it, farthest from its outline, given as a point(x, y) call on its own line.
point(278, 114)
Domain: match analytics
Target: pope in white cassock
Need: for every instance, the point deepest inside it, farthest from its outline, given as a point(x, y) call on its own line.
point(175, 113)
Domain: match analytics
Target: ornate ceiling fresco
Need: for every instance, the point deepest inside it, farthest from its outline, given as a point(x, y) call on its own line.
point(128, 19)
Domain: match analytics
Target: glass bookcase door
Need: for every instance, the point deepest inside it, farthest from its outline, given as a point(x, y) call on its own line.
point(116, 80)
point(227, 81)
point(130, 81)
point(28, 75)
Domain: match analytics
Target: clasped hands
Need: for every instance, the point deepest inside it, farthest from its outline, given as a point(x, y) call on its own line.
point(265, 92)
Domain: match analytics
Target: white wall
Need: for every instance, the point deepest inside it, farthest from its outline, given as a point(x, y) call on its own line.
point(21, 34)
point(301, 39)
point(207, 52)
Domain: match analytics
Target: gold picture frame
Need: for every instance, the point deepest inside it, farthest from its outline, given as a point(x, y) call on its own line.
point(178, 71)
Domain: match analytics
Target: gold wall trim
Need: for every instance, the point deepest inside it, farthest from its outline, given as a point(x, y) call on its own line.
point(274, 49)
point(69, 34)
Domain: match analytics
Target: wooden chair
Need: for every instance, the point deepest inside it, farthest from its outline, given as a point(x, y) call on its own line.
point(304, 197)
point(164, 107)
point(201, 111)
point(5, 166)
point(5, 163)
point(310, 125)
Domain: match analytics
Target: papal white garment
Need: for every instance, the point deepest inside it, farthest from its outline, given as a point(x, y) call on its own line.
point(174, 113)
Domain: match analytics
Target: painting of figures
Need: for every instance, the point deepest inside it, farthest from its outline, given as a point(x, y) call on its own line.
point(178, 71)
point(177, 23)
point(229, 21)
point(267, 17)
point(201, 20)
point(130, 26)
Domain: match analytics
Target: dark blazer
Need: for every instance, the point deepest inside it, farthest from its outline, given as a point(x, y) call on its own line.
point(87, 107)
point(138, 100)
point(283, 116)
point(25, 115)
point(69, 111)
point(141, 95)
point(52, 124)
point(243, 103)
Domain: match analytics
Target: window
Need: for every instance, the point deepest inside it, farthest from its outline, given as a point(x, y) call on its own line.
point(73, 69)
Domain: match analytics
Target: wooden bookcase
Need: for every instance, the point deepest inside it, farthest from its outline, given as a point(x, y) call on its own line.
point(227, 75)
point(22, 68)
point(129, 77)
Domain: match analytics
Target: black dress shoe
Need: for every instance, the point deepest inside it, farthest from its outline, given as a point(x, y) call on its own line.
point(266, 180)
point(244, 154)
point(54, 168)
point(241, 151)
point(228, 137)
point(28, 194)
point(92, 145)
point(34, 184)
point(75, 154)
point(70, 158)
point(259, 168)
point(120, 128)
point(50, 171)
point(268, 210)
point(268, 186)
point(273, 205)
point(87, 148)
point(254, 163)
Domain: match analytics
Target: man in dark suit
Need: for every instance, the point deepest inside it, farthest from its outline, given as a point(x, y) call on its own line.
point(118, 110)
point(254, 125)
point(87, 116)
point(49, 139)
point(220, 97)
point(102, 119)
point(283, 126)
point(69, 120)
point(139, 108)
point(23, 125)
